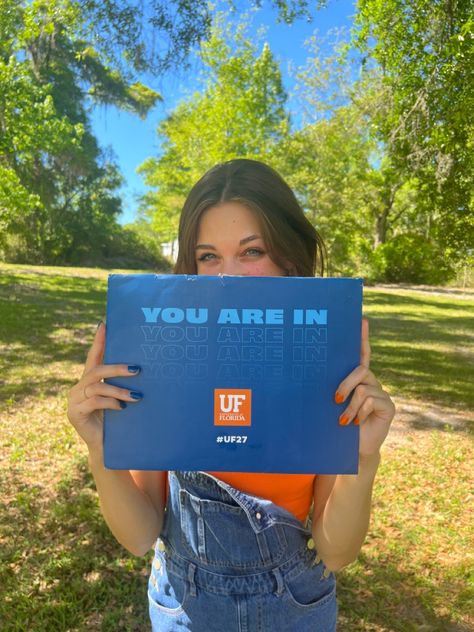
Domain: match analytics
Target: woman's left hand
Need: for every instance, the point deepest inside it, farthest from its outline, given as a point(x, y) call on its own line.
point(370, 406)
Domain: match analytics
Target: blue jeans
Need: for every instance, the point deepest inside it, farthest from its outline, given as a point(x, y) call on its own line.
point(230, 562)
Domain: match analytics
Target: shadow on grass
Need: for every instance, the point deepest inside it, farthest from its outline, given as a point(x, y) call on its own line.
point(381, 596)
point(60, 568)
point(419, 347)
point(44, 320)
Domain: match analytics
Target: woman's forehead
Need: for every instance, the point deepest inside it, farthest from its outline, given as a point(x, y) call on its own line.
point(228, 218)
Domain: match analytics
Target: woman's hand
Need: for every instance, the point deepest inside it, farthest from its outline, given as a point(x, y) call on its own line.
point(90, 396)
point(370, 406)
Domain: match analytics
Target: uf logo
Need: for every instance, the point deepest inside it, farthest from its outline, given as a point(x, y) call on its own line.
point(232, 406)
point(234, 403)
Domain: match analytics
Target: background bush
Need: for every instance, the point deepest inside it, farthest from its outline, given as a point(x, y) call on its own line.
point(410, 258)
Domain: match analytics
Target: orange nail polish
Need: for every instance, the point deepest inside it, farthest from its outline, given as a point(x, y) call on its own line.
point(339, 398)
point(343, 420)
point(356, 421)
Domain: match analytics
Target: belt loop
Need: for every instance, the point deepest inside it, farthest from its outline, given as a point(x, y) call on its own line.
point(279, 581)
point(192, 585)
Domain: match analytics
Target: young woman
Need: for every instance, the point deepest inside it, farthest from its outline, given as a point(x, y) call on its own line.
point(239, 552)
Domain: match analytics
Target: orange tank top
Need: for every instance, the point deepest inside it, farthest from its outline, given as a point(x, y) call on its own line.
point(294, 492)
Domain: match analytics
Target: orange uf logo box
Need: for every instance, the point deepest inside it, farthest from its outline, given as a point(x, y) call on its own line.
point(232, 407)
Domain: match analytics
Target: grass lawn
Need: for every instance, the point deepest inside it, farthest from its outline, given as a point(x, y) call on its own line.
point(60, 569)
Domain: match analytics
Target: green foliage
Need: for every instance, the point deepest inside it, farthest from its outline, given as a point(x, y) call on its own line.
point(360, 191)
point(339, 163)
point(327, 165)
point(30, 130)
point(386, 150)
point(410, 258)
point(136, 246)
point(346, 183)
point(124, 29)
point(239, 113)
point(58, 200)
point(426, 53)
point(57, 188)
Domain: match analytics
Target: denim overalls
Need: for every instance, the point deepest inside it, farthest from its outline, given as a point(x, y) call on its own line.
point(230, 562)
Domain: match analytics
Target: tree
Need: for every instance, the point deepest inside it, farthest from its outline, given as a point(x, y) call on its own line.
point(426, 53)
point(58, 58)
point(57, 188)
point(340, 173)
point(239, 113)
point(351, 185)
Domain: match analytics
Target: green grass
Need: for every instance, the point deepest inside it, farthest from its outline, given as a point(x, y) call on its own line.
point(60, 569)
point(423, 345)
point(415, 571)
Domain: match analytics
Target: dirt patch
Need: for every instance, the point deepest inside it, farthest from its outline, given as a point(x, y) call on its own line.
point(413, 418)
point(454, 292)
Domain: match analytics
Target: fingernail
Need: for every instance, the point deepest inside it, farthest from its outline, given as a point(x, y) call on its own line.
point(356, 421)
point(99, 323)
point(123, 404)
point(133, 368)
point(135, 395)
point(339, 398)
point(343, 420)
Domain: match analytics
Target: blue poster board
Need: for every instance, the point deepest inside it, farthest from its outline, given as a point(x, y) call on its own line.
point(238, 374)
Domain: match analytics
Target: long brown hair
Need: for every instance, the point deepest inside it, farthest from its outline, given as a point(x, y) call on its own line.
point(292, 241)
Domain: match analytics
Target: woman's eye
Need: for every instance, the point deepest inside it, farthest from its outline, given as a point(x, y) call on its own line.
point(254, 252)
point(207, 256)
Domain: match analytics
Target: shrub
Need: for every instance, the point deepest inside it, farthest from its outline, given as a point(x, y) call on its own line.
point(130, 247)
point(410, 258)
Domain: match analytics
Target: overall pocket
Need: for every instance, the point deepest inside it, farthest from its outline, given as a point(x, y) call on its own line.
point(167, 593)
point(220, 534)
point(314, 587)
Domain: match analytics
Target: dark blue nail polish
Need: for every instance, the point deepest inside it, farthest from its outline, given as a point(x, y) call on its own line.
point(123, 404)
point(135, 395)
point(133, 368)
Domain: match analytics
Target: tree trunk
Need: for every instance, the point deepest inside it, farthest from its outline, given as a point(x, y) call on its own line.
point(381, 219)
point(380, 228)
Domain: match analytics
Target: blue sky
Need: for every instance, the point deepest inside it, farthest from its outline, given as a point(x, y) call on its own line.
point(132, 139)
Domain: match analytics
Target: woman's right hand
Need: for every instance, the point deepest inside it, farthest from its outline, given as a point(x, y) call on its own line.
point(91, 395)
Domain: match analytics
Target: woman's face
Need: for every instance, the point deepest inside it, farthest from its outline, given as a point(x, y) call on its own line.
point(229, 241)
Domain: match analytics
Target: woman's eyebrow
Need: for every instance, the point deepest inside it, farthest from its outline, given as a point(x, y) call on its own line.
point(205, 247)
point(250, 238)
point(243, 241)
